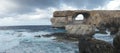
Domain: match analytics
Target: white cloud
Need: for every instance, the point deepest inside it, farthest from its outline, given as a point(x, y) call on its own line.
point(6, 6)
point(66, 7)
point(39, 17)
point(111, 5)
point(42, 16)
point(8, 21)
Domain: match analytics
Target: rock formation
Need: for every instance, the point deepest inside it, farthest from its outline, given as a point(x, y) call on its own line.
point(91, 45)
point(116, 42)
point(93, 17)
point(101, 19)
point(81, 29)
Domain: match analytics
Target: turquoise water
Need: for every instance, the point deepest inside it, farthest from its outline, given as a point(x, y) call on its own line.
point(24, 41)
point(105, 37)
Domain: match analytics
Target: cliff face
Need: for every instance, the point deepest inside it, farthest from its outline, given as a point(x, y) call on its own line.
point(104, 17)
point(81, 29)
point(94, 17)
point(98, 18)
point(69, 17)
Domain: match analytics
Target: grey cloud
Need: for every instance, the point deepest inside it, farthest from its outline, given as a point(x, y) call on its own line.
point(89, 4)
point(38, 3)
point(56, 3)
point(27, 6)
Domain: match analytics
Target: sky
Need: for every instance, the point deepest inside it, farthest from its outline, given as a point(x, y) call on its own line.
point(39, 12)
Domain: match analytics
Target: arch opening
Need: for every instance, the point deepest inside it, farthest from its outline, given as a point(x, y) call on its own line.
point(78, 19)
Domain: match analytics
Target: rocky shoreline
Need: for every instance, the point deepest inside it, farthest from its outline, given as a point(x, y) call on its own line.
point(84, 31)
point(89, 44)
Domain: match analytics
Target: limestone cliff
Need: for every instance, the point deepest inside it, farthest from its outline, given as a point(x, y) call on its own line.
point(98, 18)
point(81, 29)
point(93, 17)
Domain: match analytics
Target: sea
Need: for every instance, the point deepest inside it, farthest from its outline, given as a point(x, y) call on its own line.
point(22, 39)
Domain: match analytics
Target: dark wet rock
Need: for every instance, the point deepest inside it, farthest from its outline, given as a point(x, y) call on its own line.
point(118, 33)
point(101, 32)
point(91, 45)
point(116, 43)
point(63, 36)
point(112, 24)
point(37, 36)
point(113, 30)
point(55, 34)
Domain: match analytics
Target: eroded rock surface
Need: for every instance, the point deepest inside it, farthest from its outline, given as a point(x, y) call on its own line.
point(116, 42)
point(82, 29)
point(101, 19)
point(91, 45)
point(93, 17)
point(59, 21)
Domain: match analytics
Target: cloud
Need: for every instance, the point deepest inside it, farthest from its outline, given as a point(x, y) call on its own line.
point(38, 3)
point(39, 17)
point(27, 6)
point(89, 4)
point(6, 6)
point(39, 12)
point(111, 5)
point(13, 7)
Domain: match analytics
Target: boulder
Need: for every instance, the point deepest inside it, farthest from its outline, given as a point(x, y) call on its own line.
point(91, 45)
point(80, 29)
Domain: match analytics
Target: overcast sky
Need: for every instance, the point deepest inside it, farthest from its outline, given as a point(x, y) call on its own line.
point(39, 12)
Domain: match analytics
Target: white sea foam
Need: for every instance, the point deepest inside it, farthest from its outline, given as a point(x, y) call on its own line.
point(105, 37)
point(18, 41)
